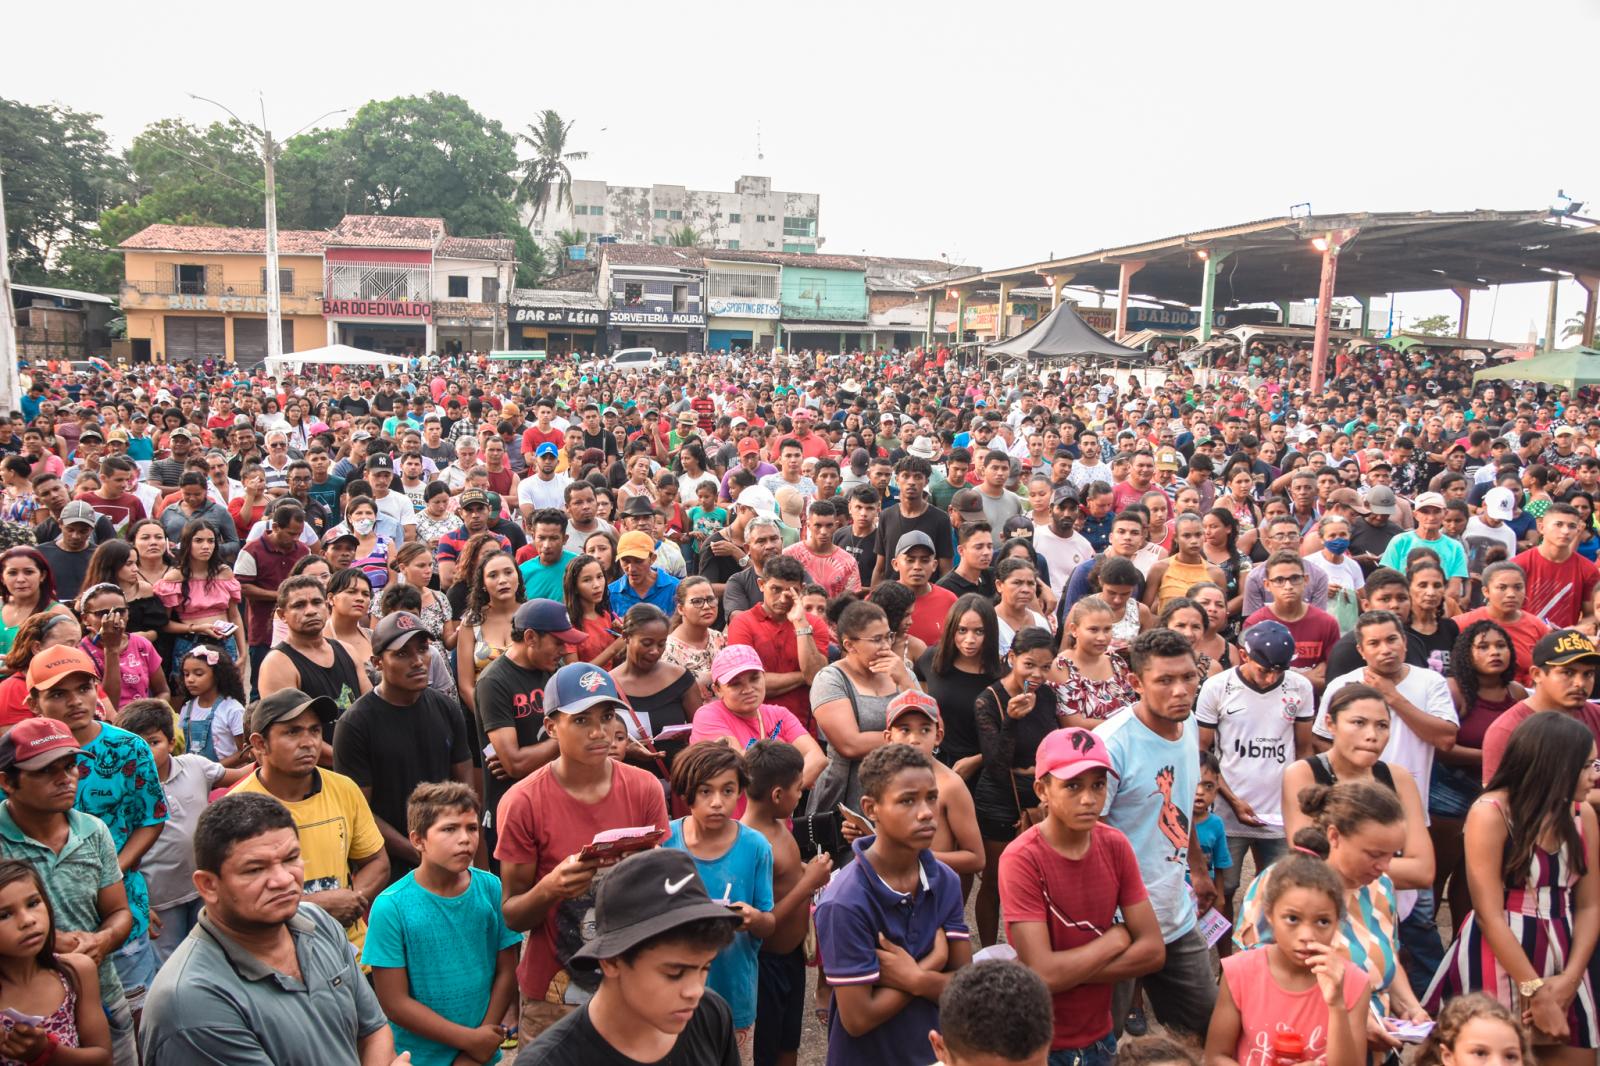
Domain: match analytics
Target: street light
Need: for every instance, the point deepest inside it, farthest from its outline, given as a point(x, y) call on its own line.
point(269, 158)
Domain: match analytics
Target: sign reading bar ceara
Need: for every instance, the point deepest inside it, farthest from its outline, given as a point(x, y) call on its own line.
point(377, 308)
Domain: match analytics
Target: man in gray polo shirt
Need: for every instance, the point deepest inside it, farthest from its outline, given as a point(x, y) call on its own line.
point(265, 976)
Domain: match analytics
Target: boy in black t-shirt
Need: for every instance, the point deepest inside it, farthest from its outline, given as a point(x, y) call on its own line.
point(656, 932)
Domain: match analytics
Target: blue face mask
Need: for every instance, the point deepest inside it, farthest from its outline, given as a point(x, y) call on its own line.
point(1337, 545)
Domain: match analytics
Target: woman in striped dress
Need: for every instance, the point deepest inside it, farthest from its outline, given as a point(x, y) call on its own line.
point(1531, 869)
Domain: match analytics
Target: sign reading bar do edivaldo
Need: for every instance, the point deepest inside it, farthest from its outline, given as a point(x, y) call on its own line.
point(377, 309)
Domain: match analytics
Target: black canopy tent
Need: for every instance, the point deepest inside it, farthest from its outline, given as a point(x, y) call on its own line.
point(1063, 337)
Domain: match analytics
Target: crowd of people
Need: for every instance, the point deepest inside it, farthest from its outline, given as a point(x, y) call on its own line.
point(611, 719)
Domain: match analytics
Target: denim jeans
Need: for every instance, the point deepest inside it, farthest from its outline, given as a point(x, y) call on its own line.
point(1419, 937)
point(1265, 851)
point(176, 921)
point(136, 966)
point(124, 1042)
point(1099, 1053)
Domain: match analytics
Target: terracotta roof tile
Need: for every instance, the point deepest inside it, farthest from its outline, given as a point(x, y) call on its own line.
point(166, 238)
point(497, 249)
point(657, 255)
point(386, 231)
point(788, 259)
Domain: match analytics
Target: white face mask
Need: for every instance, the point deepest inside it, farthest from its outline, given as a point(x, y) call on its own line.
point(363, 526)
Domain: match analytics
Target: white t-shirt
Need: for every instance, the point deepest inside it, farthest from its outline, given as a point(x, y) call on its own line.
point(1345, 574)
point(1428, 692)
point(1478, 529)
point(397, 505)
point(1255, 742)
point(1063, 554)
point(539, 494)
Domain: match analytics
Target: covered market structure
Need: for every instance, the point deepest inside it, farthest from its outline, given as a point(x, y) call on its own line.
point(1301, 256)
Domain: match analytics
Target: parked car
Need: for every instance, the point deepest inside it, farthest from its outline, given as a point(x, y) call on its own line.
point(636, 360)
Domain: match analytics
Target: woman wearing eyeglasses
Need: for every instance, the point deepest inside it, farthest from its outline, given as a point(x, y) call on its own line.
point(128, 663)
point(693, 644)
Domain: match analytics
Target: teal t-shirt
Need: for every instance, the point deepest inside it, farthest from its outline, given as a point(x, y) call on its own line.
point(742, 874)
point(448, 947)
point(118, 784)
point(541, 582)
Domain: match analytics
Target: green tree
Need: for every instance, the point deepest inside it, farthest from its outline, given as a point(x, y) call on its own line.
point(432, 156)
point(532, 263)
point(190, 176)
point(60, 173)
point(545, 178)
point(316, 180)
point(685, 236)
point(1433, 326)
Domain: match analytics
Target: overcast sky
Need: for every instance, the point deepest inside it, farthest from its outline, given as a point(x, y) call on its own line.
point(994, 134)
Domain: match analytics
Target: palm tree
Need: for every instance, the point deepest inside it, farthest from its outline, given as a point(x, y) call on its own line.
point(1572, 330)
point(685, 237)
point(560, 242)
point(545, 178)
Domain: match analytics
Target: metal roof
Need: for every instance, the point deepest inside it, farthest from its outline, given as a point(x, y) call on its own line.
point(64, 294)
point(1272, 259)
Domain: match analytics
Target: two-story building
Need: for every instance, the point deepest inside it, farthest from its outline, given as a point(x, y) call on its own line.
point(197, 292)
point(379, 284)
point(824, 300)
point(742, 302)
point(655, 297)
point(471, 278)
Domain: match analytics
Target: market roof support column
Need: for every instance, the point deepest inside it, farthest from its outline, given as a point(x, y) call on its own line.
point(933, 307)
point(1463, 294)
point(961, 316)
point(1000, 311)
point(1329, 247)
point(1208, 288)
point(1366, 313)
point(1124, 279)
point(1591, 288)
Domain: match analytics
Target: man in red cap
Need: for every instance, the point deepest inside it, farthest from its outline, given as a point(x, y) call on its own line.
point(73, 854)
point(749, 459)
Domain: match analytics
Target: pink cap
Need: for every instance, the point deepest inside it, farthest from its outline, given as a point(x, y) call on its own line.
point(1066, 753)
point(734, 660)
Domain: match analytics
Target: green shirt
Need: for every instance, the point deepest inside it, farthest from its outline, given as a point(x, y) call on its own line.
point(541, 582)
point(73, 877)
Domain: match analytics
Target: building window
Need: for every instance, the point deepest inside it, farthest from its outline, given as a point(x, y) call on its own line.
point(802, 248)
point(676, 216)
point(596, 209)
point(733, 245)
point(633, 293)
point(491, 290)
point(680, 298)
point(458, 287)
point(285, 281)
point(660, 240)
point(761, 218)
point(190, 280)
point(771, 245)
point(733, 216)
point(661, 212)
point(799, 227)
point(744, 286)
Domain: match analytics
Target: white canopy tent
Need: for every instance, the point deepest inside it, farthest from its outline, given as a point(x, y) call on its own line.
point(335, 354)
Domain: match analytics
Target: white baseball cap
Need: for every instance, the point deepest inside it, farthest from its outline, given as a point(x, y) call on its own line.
point(1499, 504)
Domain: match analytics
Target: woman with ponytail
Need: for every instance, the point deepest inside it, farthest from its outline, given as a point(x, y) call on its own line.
point(1356, 827)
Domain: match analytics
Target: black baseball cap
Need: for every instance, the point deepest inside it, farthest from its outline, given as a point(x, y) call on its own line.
point(1563, 647)
point(286, 704)
point(643, 896)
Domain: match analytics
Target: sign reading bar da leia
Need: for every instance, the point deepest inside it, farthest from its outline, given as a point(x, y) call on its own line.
point(555, 316)
point(377, 309)
point(692, 319)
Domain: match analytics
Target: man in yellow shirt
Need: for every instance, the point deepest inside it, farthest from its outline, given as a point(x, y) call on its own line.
point(345, 865)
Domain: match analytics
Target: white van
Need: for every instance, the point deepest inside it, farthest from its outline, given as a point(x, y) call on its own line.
point(631, 360)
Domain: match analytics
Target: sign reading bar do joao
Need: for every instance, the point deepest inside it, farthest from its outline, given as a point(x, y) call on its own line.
point(377, 308)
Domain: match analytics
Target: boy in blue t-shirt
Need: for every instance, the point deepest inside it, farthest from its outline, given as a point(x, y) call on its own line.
point(735, 865)
point(442, 957)
point(890, 926)
point(1208, 828)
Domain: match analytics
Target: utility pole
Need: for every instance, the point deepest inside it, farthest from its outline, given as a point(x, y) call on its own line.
point(8, 333)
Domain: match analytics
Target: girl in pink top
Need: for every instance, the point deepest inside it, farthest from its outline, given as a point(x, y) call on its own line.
point(1296, 999)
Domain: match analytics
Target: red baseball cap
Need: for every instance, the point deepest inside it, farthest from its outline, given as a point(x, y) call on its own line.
point(747, 445)
point(35, 743)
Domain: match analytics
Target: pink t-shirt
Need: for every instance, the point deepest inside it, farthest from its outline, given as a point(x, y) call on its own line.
point(1265, 1008)
point(139, 663)
point(770, 722)
point(540, 824)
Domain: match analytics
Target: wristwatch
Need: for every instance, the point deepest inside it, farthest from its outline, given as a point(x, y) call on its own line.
point(806, 632)
point(1526, 989)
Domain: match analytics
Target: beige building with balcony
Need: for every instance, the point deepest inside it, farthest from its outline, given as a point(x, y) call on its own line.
point(193, 292)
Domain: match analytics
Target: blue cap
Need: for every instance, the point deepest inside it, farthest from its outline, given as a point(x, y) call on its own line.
point(579, 686)
point(546, 616)
point(1270, 644)
point(545, 449)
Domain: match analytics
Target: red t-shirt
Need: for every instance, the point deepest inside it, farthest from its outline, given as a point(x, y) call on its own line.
point(778, 645)
point(1524, 632)
point(1077, 900)
point(1500, 730)
point(1122, 494)
point(1315, 634)
point(540, 824)
point(1558, 592)
point(533, 436)
point(929, 612)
